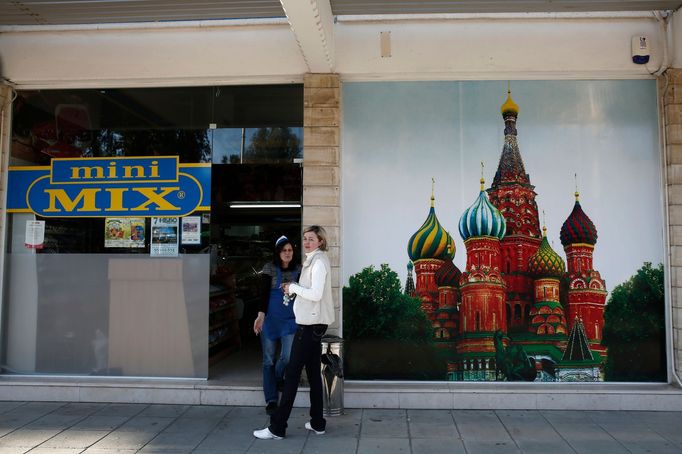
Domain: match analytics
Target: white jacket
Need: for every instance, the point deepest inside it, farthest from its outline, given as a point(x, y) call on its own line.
point(313, 304)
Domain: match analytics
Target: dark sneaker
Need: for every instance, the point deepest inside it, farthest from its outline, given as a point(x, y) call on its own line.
point(271, 408)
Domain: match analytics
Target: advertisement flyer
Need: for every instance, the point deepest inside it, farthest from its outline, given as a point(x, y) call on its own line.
point(35, 234)
point(164, 237)
point(191, 230)
point(124, 232)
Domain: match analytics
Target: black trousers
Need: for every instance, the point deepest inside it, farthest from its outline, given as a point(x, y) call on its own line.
point(305, 352)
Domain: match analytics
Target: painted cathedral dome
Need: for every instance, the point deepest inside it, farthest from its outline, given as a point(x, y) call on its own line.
point(509, 107)
point(448, 275)
point(578, 228)
point(545, 262)
point(482, 219)
point(431, 241)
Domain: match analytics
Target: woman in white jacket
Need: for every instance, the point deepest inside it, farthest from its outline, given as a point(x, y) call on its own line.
point(314, 311)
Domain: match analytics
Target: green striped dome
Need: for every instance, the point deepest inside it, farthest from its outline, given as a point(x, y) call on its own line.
point(431, 241)
point(545, 262)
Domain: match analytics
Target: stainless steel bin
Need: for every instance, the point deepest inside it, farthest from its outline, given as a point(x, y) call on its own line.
point(332, 375)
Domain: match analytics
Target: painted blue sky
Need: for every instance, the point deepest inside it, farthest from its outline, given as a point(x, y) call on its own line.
point(398, 135)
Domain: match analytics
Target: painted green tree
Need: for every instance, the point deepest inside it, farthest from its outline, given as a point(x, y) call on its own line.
point(634, 328)
point(387, 334)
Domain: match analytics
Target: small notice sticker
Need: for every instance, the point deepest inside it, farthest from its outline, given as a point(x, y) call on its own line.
point(35, 234)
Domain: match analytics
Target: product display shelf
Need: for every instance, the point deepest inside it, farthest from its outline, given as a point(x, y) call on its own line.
point(223, 333)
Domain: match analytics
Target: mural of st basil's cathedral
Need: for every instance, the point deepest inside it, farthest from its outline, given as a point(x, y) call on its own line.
point(517, 312)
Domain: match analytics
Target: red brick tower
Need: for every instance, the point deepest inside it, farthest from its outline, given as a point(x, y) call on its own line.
point(512, 194)
point(586, 289)
point(482, 310)
point(428, 249)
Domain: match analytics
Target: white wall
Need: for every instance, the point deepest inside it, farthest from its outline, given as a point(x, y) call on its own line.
point(526, 47)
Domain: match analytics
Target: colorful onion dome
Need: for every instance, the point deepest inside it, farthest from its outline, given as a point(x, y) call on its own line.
point(431, 241)
point(545, 262)
point(482, 219)
point(578, 228)
point(509, 107)
point(448, 275)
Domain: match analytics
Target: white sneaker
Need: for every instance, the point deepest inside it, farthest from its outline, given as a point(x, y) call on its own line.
point(309, 427)
point(265, 434)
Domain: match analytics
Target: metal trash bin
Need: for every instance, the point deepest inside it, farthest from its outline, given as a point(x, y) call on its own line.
point(332, 375)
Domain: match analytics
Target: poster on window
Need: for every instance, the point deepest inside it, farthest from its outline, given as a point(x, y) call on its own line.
point(124, 232)
point(191, 230)
point(499, 231)
point(164, 242)
point(35, 234)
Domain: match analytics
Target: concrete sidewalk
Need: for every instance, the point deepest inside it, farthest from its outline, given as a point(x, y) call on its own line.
point(60, 428)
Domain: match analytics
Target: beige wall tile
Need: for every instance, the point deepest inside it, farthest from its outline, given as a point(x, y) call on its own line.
point(321, 195)
point(324, 116)
point(674, 133)
point(329, 156)
point(327, 136)
point(674, 173)
point(326, 216)
point(675, 194)
point(323, 80)
point(674, 154)
point(673, 113)
point(328, 175)
point(320, 97)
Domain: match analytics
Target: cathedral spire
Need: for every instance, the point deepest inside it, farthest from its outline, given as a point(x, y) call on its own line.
point(510, 168)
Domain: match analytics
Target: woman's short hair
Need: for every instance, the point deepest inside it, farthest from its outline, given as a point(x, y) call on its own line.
point(321, 235)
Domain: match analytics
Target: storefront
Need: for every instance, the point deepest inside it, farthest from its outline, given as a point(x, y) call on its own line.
point(492, 220)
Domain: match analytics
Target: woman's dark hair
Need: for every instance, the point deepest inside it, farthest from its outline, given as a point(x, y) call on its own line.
point(279, 245)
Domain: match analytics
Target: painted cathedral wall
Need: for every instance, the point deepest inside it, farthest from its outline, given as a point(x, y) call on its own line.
point(397, 136)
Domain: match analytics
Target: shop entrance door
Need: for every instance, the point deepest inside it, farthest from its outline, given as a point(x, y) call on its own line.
point(253, 204)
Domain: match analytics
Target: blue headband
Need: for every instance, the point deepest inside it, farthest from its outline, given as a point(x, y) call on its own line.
point(280, 240)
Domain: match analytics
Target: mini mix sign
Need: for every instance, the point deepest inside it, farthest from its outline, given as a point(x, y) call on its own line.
point(104, 187)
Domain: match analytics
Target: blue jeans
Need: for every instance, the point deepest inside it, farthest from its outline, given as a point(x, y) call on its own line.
point(274, 371)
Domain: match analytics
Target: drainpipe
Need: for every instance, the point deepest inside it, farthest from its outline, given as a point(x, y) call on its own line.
point(676, 381)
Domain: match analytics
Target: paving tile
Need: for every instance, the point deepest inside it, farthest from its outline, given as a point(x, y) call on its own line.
point(431, 424)
point(292, 444)
point(121, 410)
point(79, 408)
point(169, 411)
point(124, 440)
point(481, 425)
point(177, 440)
point(438, 445)
point(225, 442)
point(581, 433)
point(26, 438)
point(371, 445)
point(97, 422)
point(152, 424)
point(75, 439)
point(41, 450)
point(384, 423)
point(492, 447)
point(109, 451)
point(216, 412)
point(322, 444)
point(346, 425)
point(532, 432)
point(54, 421)
point(6, 406)
point(14, 450)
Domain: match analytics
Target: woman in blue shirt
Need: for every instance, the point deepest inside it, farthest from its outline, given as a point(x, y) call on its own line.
point(276, 323)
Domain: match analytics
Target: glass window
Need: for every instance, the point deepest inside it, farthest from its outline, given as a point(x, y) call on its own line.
point(87, 302)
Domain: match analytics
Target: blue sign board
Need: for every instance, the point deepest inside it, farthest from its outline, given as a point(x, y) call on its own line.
point(104, 187)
